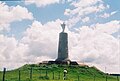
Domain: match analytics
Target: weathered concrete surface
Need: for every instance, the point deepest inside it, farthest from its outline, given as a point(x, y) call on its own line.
point(63, 47)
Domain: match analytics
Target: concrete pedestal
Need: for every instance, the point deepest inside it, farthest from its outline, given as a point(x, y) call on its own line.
point(63, 48)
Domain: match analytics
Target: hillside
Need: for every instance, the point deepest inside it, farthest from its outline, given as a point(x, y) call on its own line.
point(55, 73)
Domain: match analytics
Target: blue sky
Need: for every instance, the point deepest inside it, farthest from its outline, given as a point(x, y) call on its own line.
point(56, 11)
point(45, 14)
point(31, 25)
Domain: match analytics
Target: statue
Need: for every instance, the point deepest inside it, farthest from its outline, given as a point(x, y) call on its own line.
point(63, 26)
point(63, 46)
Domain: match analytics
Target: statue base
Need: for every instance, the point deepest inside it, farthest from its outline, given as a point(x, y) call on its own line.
point(63, 62)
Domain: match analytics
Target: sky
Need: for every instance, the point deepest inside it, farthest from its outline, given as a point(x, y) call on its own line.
point(29, 32)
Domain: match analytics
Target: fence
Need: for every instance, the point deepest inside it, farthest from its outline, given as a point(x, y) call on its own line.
point(33, 74)
point(30, 74)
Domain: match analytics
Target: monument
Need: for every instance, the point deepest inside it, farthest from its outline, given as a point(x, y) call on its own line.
point(63, 46)
point(63, 57)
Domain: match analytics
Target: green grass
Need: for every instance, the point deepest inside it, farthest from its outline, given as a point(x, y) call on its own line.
point(85, 73)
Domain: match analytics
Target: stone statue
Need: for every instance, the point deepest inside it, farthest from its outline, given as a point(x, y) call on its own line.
point(63, 47)
point(63, 26)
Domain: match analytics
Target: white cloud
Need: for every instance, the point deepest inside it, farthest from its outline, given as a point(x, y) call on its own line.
point(41, 3)
point(114, 12)
point(12, 52)
point(67, 12)
point(109, 28)
point(106, 15)
point(85, 3)
point(86, 19)
point(10, 14)
point(42, 37)
point(83, 8)
point(97, 48)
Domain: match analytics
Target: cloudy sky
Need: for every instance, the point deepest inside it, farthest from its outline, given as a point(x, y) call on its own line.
point(29, 31)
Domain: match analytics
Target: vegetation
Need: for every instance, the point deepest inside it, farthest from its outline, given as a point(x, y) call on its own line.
point(55, 73)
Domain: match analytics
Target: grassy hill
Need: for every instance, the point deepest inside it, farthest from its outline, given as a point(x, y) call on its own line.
point(55, 73)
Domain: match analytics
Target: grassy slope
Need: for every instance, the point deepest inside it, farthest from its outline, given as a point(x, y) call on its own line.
point(39, 73)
